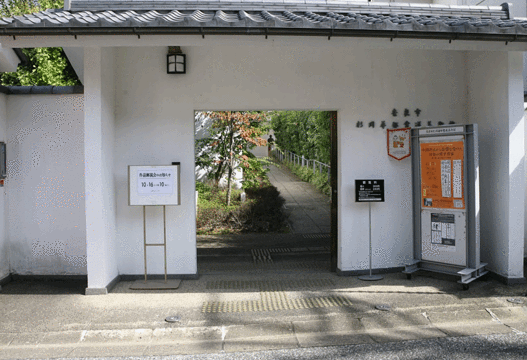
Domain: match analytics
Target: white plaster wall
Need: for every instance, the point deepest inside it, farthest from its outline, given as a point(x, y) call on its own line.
point(45, 184)
point(430, 81)
point(108, 143)
point(524, 72)
point(154, 125)
point(496, 105)
point(525, 167)
point(99, 90)
point(4, 254)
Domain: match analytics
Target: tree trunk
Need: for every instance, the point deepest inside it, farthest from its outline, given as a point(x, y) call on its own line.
point(217, 175)
point(229, 186)
point(231, 164)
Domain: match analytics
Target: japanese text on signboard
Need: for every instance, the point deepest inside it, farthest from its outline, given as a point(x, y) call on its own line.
point(155, 182)
point(369, 190)
point(442, 175)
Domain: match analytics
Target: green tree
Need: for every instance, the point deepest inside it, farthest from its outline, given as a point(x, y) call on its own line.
point(304, 133)
point(46, 66)
point(231, 135)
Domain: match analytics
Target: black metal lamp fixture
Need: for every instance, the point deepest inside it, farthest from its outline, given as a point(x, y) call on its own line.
point(176, 61)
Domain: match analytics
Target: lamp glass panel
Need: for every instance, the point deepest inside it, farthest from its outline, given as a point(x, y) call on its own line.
point(180, 67)
point(171, 67)
point(180, 59)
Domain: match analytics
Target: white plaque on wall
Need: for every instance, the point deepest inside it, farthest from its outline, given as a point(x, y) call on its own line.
point(153, 185)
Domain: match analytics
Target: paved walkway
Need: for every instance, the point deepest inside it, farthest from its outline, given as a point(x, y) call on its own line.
point(308, 209)
point(308, 212)
point(252, 308)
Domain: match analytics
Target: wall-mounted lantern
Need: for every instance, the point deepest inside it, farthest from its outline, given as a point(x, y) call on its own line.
point(176, 61)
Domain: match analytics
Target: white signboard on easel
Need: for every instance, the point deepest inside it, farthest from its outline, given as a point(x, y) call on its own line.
point(153, 185)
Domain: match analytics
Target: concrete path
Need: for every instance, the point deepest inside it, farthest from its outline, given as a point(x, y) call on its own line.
point(308, 209)
point(260, 305)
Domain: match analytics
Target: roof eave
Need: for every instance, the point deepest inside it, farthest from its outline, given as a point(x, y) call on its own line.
point(262, 31)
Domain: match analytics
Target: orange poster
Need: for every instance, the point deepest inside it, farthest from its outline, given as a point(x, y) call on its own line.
point(442, 175)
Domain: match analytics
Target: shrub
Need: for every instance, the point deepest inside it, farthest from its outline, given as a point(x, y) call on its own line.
point(261, 212)
point(255, 174)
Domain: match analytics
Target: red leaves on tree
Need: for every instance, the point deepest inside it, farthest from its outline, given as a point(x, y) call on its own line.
point(239, 130)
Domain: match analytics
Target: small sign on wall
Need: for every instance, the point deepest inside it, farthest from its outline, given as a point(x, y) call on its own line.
point(399, 143)
point(369, 190)
point(154, 185)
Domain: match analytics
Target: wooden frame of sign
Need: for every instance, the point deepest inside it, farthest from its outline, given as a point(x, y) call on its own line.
point(153, 185)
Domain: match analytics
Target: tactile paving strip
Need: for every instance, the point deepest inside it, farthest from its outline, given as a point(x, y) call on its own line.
point(290, 265)
point(318, 248)
point(316, 236)
point(273, 301)
point(280, 250)
point(268, 285)
point(299, 249)
point(261, 256)
point(286, 265)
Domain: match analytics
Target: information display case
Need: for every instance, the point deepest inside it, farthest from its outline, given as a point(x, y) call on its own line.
point(445, 194)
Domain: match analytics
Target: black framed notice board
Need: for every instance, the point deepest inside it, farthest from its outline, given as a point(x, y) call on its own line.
point(369, 190)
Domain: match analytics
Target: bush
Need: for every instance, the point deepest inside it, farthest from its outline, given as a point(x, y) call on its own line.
point(261, 212)
point(319, 180)
point(255, 174)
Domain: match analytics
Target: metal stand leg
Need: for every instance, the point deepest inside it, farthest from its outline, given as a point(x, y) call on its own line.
point(165, 239)
point(370, 277)
point(156, 284)
point(164, 244)
point(144, 233)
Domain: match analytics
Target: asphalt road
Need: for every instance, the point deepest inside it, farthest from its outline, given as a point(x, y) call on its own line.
point(510, 346)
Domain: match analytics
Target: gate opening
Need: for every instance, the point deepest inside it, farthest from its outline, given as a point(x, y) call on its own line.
point(266, 190)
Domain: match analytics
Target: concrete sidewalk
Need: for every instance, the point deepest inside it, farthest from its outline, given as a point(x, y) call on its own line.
point(286, 303)
point(307, 208)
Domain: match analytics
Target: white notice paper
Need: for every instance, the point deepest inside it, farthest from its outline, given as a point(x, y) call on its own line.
point(458, 189)
point(446, 175)
point(444, 227)
point(450, 231)
point(158, 181)
point(436, 237)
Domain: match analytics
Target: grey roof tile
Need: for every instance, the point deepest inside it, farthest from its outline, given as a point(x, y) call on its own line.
point(278, 16)
point(437, 6)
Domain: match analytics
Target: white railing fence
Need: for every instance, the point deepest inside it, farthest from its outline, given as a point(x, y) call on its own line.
point(286, 155)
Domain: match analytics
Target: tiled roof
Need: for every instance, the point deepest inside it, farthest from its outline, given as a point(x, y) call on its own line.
point(286, 17)
point(41, 90)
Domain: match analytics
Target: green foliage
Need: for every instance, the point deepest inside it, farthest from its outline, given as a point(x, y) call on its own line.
point(20, 7)
point(319, 180)
point(202, 188)
point(304, 133)
point(231, 135)
point(46, 66)
point(214, 197)
point(51, 4)
point(261, 212)
point(255, 174)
